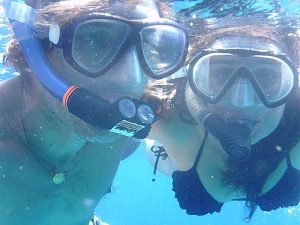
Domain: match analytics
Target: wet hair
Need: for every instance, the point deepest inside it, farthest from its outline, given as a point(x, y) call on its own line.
point(204, 32)
point(60, 12)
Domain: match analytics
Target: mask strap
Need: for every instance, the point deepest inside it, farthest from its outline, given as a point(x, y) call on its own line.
point(20, 12)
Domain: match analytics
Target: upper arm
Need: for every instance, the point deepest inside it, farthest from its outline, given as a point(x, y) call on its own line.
point(155, 153)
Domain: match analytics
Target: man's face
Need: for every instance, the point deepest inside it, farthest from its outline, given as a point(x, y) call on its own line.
point(125, 77)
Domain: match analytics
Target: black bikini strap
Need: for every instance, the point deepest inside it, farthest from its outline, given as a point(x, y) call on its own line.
point(200, 150)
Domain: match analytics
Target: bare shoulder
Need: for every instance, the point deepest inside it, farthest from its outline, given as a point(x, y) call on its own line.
point(10, 108)
point(295, 156)
point(276, 175)
point(10, 86)
point(180, 140)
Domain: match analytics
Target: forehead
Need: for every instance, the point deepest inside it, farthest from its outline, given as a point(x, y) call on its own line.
point(245, 42)
point(130, 9)
point(138, 10)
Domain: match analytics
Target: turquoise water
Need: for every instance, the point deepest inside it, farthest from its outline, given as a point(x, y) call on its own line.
point(135, 199)
point(5, 72)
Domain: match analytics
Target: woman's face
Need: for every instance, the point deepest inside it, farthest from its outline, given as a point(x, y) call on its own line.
point(262, 120)
point(241, 102)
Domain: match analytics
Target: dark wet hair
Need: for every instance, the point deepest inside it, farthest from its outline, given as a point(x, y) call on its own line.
point(204, 32)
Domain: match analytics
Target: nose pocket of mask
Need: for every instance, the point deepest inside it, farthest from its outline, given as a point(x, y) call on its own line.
point(127, 71)
point(242, 94)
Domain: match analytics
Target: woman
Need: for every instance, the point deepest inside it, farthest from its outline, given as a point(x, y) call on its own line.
point(66, 118)
point(230, 124)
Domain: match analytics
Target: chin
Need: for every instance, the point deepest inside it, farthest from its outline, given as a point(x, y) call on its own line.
point(256, 137)
point(261, 130)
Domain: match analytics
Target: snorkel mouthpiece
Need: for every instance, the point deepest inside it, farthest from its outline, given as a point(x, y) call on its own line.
point(233, 136)
point(126, 116)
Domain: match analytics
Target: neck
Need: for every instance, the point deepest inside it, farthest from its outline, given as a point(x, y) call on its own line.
point(51, 131)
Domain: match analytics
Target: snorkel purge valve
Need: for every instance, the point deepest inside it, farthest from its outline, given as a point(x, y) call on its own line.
point(127, 116)
point(233, 136)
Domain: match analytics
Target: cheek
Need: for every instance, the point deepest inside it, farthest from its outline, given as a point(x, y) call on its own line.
point(126, 71)
point(65, 71)
point(268, 118)
point(269, 122)
point(124, 79)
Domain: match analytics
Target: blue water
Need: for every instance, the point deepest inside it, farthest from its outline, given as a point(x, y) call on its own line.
point(5, 72)
point(136, 200)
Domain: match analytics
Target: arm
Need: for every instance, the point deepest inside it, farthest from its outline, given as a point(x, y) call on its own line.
point(158, 157)
point(180, 140)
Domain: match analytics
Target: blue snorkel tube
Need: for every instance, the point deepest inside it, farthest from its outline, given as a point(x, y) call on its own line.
point(127, 116)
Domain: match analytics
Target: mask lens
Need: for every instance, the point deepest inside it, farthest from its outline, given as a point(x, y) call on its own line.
point(163, 48)
point(212, 72)
point(97, 42)
point(271, 76)
point(274, 77)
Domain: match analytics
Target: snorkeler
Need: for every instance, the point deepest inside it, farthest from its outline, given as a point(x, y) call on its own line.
point(66, 118)
point(232, 128)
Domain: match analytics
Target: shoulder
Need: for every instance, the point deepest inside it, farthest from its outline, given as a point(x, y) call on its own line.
point(158, 157)
point(11, 84)
point(10, 92)
point(282, 167)
point(180, 140)
point(10, 108)
point(295, 156)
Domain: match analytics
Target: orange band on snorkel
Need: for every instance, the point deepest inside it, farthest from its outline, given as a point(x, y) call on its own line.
point(67, 94)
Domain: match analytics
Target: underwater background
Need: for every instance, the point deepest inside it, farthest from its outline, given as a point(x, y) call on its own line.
point(135, 199)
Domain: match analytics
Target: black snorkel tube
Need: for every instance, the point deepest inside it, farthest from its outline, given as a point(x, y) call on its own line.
point(234, 137)
point(127, 116)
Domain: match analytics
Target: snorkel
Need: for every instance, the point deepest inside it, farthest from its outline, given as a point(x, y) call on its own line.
point(234, 137)
point(257, 63)
point(127, 116)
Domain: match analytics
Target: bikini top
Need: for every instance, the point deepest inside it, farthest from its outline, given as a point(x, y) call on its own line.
point(190, 192)
point(193, 197)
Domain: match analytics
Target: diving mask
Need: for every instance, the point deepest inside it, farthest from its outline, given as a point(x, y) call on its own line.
point(213, 72)
point(92, 43)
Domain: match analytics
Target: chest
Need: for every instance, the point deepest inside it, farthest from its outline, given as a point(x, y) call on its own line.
point(27, 189)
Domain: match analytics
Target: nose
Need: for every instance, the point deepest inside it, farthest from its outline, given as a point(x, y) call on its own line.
point(242, 93)
point(127, 70)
